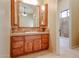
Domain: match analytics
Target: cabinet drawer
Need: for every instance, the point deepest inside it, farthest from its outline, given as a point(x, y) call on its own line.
point(17, 52)
point(17, 44)
point(33, 37)
point(17, 38)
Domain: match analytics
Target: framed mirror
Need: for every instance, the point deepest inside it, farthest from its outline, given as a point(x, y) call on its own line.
point(28, 14)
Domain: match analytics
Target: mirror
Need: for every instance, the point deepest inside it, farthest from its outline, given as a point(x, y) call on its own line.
point(29, 14)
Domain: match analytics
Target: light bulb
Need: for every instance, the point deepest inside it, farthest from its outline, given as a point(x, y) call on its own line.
point(15, 0)
point(43, 8)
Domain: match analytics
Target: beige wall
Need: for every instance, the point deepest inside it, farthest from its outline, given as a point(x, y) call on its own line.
point(4, 28)
point(52, 10)
point(43, 1)
point(74, 7)
point(63, 5)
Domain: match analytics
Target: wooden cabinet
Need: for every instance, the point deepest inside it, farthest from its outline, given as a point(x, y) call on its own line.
point(21, 45)
point(32, 43)
point(17, 52)
point(45, 41)
point(28, 44)
point(37, 43)
point(17, 44)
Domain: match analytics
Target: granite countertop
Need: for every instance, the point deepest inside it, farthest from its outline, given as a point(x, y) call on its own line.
point(27, 33)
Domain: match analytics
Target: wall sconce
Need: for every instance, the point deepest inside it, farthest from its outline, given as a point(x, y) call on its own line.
point(42, 14)
point(43, 8)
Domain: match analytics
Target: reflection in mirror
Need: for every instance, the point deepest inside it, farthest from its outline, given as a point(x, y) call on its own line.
point(28, 15)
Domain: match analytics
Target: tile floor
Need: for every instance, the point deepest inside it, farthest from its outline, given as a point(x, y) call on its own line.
point(70, 53)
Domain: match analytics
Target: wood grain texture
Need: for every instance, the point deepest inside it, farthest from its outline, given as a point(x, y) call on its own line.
point(46, 15)
point(22, 45)
point(17, 46)
point(37, 44)
point(28, 44)
point(45, 41)
point(12, 12)
point(17, 52)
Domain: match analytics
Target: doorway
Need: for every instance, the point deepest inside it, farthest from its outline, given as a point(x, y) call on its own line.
point(64, 25)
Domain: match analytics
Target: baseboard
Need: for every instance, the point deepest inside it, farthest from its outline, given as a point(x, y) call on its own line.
point(75, 46)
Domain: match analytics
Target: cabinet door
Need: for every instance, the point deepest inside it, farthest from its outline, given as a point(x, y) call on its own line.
point(17, 52)
point(17, 46)
point(28, 44)
point(45, 41)
point(37, 44)
point(17, 38)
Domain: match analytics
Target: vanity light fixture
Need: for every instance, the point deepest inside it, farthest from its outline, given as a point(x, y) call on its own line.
point(42, 23)
point(32, 2)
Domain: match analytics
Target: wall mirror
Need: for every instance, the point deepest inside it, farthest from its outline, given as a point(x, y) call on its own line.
point(29, 13)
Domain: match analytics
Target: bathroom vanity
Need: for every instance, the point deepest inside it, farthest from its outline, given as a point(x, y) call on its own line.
point(25, 43)
point(29, 28)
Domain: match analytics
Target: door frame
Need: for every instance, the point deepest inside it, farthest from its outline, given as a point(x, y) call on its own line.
point(58, 33)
